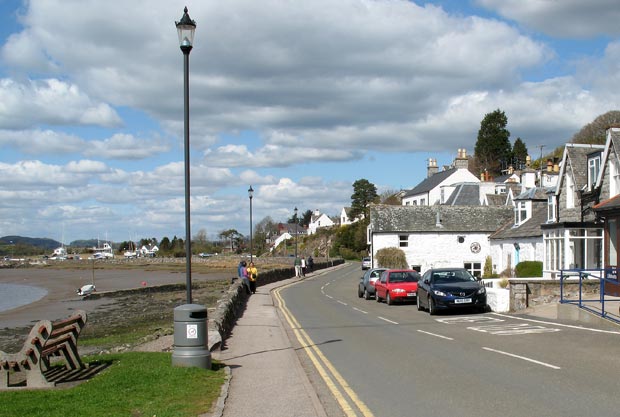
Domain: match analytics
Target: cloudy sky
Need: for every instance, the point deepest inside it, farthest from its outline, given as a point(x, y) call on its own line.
point(297, 98)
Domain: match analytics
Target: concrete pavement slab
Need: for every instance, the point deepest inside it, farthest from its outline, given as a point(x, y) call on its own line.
point(267, 378)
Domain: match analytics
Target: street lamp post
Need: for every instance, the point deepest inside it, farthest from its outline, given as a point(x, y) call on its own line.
point(190, 320)
point(186, 28)
point(251, 194)
point(295, 218)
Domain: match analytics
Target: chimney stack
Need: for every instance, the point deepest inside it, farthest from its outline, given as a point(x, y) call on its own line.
point(461, 161)
point(432, 167)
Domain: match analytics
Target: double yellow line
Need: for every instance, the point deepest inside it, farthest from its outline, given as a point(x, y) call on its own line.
point(324, 367)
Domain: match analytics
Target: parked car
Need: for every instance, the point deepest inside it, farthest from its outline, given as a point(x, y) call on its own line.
point(396, 285)
point(366, 263)
point(448, 288)
point(366, 287)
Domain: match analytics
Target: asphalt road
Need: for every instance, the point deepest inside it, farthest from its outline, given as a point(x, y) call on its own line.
point(380, 360)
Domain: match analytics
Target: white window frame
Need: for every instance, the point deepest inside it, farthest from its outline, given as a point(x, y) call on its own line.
point(551, 209)
point(614, 177)
point(594, 167)
point(521, 212)
point(570, 192)
point(475, 268)
point(403, 241)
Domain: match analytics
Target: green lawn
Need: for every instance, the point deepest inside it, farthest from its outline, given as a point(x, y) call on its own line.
point(134, 384)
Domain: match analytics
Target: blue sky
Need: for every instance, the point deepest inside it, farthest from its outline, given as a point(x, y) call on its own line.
point(297, 99)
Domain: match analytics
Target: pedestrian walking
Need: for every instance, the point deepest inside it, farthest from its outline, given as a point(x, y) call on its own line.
point(252, 276)
point(303, 266)
point(242, 272)
point(310, 263)
point(297, 264)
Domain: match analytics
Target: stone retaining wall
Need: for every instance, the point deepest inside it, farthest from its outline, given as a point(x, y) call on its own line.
point(529, 293)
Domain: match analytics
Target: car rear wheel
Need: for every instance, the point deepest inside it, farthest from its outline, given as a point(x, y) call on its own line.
point(418, 303)
point(431, 306)
point(377, 298)
point(366, 295)
point(388, 299)
point(359, 292)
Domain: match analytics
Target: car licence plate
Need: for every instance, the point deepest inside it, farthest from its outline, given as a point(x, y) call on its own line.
point(462, 301)
point(410, 294)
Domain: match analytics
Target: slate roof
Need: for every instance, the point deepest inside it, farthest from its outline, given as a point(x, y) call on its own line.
point(430, 182)
point(534, 193)
point(530, 228)
point(465, 194)
point(466, 219)
point(497, 199)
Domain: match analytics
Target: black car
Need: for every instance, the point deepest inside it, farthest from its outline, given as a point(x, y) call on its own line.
point(448, 288)
point(366, 287)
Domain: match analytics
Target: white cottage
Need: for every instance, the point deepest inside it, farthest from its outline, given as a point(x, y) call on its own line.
point(437, 236)
point(318, 220)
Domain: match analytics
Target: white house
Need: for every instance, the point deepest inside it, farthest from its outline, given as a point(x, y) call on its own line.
point(437, 236)
point(345, 218)
point(318, 220)
point(438, 186)
point(521, 239)
point(572, 236)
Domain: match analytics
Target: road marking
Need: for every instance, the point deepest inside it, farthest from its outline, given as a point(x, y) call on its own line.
point(468, 319)
point(388, 320)
point(570, 326)
point(342, 302)
point(316, 356)
point(513, 329)
point(361, 311)
point(522, 357)
point(436, 335)
point(329, 296)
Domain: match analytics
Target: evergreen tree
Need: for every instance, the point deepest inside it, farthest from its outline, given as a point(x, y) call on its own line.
point(519, 154)
point(364, 193)
point(493, 144)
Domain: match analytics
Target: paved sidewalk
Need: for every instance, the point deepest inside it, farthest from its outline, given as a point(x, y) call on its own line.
point(267, 378)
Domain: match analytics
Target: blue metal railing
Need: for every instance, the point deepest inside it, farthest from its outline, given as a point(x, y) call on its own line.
point(604, 276)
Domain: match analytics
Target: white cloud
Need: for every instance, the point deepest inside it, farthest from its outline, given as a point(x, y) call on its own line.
point(565, 18)
point(125, 146)
point(52, 102)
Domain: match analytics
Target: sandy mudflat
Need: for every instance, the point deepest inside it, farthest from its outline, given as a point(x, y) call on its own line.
point(61, 285)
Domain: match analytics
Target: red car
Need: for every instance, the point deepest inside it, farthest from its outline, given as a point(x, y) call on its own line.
point(397, 285)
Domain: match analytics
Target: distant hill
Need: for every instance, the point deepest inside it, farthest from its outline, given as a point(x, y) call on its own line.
point(44, 243)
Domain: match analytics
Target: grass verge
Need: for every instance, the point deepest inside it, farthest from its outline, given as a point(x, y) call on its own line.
point(134, 384)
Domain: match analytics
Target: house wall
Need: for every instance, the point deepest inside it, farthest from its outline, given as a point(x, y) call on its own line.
point(322, 221)
point(530, 249)
point(435, 250)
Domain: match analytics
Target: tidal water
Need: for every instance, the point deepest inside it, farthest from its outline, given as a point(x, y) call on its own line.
point(14, 295)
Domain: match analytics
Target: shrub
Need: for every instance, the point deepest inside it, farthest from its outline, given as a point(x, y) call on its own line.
point(391, 258)
point(529, 269)
point(488, 268)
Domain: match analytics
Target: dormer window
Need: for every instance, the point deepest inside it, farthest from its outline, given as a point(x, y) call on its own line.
point(522, 209)
point(551, 210)
point(594, 166)
point(614, 174)
point(570, 192)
